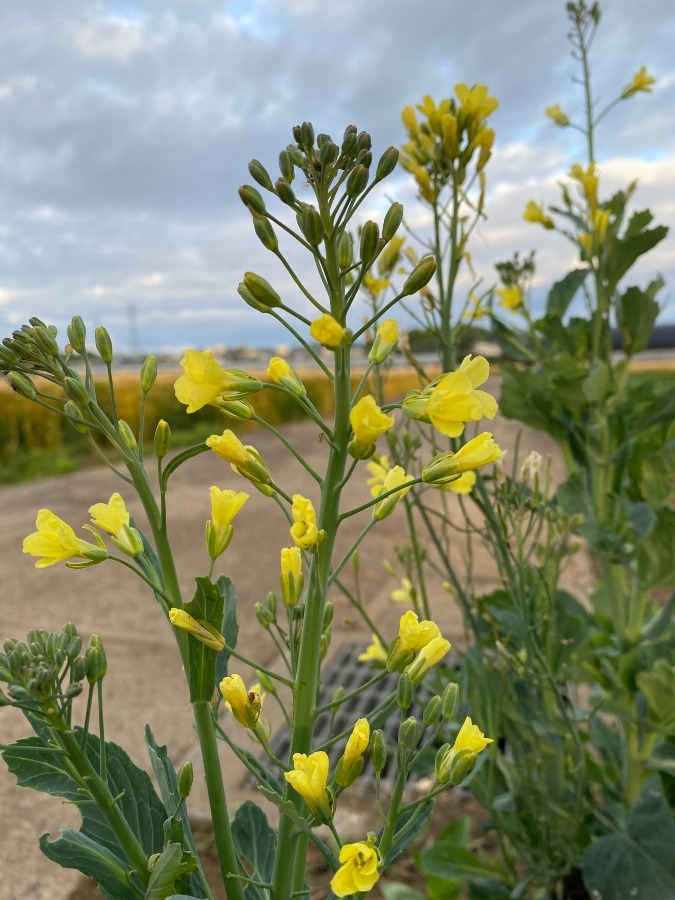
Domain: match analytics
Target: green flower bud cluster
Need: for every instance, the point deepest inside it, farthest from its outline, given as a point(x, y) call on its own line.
point(47, 670)
point(31, 350)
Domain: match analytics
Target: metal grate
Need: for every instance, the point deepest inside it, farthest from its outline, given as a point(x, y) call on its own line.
point(345, 671)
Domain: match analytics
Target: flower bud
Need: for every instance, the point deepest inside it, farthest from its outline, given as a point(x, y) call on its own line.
point(272, 602)
point(73, 690)
point(185, 778)
point(357, 181)
point(369, 242)
point(324, 643)
point(286, 167)
point(364, 158)
point(77, 334)
point(398, 657)
point(75, 390)
point(378, 750)
point(259, 173)
point(22, 385)
point(306, 136)
point(432, 711)
point(392, 221)
point(409, 733)
point(8, 358)
point(252, 200)
point(266, 234)
point(327, 615)
point(103, 344)
point(97, 663)
point(148, 373)
point(236, 409)
point(387, 163)
point(386, 338)
point(329, 153)
point(284, 192)
point(345, 250)
point(450, 695)
point(162, 439)
point(266, 683)
point(420, 276)
point(263, 615)
point(311, 225)
point(404, 691)
point(261, 290)
point(127, 434)
point(45, 340)
point(452, 766)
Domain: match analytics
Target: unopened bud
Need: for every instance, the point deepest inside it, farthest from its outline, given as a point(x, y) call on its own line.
point(252, 199)
point(409, 733)
point(392, 221)
point(185, 778)
point(387, 163)
point(148, 373)
point(22, 385)
point(306, 136)
point(329, 153)
point(263, 615)
point(266, 234)
point(97, 663)
point(127, 434)
point(74, 414)
point(378, 750)
point(272, 602)
point(104, 344)
point(45, 340)
point(162, 439)
point(432, 711)
point(357, 181)
point(236, 409)
point(420, 276)
point(453, 766)
point(261, 290)
point(369, 243)
point(286, 167)
point(77, 334)
point(75, 390)
point(349, 142)
point(285, 192)
point(324, 643)
point(338, 694)
point(404, 691)
point(259, 173)
point(311, 225)
point(266, 683)
point(345, 250)
point(450, 695)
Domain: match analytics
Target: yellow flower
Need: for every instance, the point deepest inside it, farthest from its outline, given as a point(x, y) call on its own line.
point(462, 485)
point(389, 257)
point(385, 341)
point(534, 212)
point(55, 541)
point(205, 381)
point(304, 530)
point(393, 479)
point(556, 114)
point(405, 593)
point(374, 285)
point(455, 400)
point(359, 870)
point(378, 467)
point(351, 762)
point(470, 737)
point(309, 778)
point(476, 100)
point(476, 307)
point(204, 632)
point(641, 83)
point(327, 331)
point(292, 579)
point(454, 763)
point(245, 704)
point(409, 120)
point(480, 451)
point(375, 651)
point(512, 297)
point(281, 373)
point(588, 180)
point(368, 423)
point(114, 518)
point(244, 459)
point(224, 507)
point(429, 655)
point(413, 634)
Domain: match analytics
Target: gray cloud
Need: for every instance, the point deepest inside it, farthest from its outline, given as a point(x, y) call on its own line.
point(127, 128)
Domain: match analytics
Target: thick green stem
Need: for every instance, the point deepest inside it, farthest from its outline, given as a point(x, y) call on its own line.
point(216, 791)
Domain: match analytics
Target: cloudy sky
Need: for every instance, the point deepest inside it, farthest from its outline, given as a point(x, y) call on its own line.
point(126, 129)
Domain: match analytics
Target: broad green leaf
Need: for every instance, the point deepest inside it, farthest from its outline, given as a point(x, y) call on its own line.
point(443, 860)
point(562, 293)
point(636, 313)
point(658, 686)
point(407, 829)
point(230, 628)
point(637, 862)
point(255, 840)
point(168, 868)
point(395, 890)
point(75, 850)
point(597, 384)
point(206, 605)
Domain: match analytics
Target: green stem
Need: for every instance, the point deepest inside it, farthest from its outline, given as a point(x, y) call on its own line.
point(216, 791)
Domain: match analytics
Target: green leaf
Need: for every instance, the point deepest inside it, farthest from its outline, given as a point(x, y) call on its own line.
point(406, 833)
point(637, 862)
point(36, 766)
point(636, 241)
point(255, 840)
point(287, 808)
point(562, 293)
point(229, 628)
point(658, 686)
point(395, 890)
point(446, 861)
point(74, 850)
point(207, 605)
point(597, 384)
point(168, 868)
point(636, 313)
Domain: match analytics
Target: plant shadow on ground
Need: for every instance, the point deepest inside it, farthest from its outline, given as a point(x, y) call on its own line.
point(451, 805)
